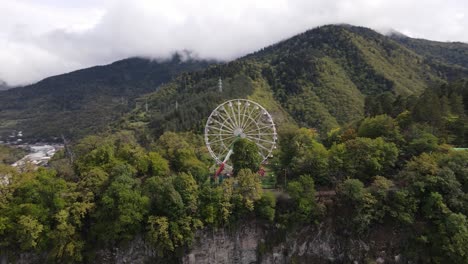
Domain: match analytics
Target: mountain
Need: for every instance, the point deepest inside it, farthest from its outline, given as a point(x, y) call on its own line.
point(318, 79)
point(85, 101)
point(451, 53)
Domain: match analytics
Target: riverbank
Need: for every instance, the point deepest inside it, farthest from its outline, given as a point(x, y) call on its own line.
point(38, 154)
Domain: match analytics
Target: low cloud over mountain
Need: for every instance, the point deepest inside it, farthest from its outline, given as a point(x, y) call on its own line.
point(48, 37)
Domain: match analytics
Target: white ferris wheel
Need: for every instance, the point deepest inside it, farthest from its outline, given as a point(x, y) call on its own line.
point(239, 118)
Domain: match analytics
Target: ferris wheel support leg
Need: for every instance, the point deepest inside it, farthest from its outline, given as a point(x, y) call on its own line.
point(221, 167)
point(228, 155)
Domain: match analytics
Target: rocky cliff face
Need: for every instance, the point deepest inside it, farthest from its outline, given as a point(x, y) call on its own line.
point(223, 246)
point(256, 243)
point(250, 244)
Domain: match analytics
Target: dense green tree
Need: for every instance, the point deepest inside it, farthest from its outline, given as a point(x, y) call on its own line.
point(356, 205)
point(182, 155)
point(457, 161)
point(187, 187)
point(44, 212)
point(29, 232)
point(402, 206)
point(301, 153)
point(380, 126)
point(265, 207)
point(383, 103)
point(217, 203)
point(121, 209)
point(364, 158)
point(157, 165)
point(428, 109)
point(424, 142)
point(166, 235)
point(302, 192)
point(164, 198)
point(423, 176)
point(404, 119)
point(248, 189)
point(9, 155)
point(245, 156)
point(158, 234)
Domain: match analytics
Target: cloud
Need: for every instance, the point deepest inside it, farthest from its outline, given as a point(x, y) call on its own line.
point(48, 37)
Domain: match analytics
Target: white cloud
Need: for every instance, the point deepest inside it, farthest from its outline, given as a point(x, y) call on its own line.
point(46, 37)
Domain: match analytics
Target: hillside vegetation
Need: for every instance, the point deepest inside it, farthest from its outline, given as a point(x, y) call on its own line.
point(85, 101)
point(455, 53)
point(359, 116)
point(318, 79)
point(385, 173)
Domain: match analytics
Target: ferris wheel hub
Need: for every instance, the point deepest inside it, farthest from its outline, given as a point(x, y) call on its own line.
point(239, 132)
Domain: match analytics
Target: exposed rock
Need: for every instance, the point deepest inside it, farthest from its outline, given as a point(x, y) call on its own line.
point(251, 243)
point(308, 245)
point(221, 246)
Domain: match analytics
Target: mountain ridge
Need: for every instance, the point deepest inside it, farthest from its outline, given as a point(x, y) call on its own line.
point(67, 104)
point(319, 78)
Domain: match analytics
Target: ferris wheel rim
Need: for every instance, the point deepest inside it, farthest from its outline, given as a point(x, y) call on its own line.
point(232, 127)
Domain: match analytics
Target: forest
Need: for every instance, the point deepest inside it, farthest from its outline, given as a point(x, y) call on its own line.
point(319, 78)
point(371, 120)
point(396, 167)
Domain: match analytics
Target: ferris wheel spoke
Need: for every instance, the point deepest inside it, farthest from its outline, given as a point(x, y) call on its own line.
point(230, 134)
point(258, 129)
point(248, 130)
point(229, 116)
point(243, 114)
point(226, 149)
point(222, 124)
point(260, 139)
point(234, 116)
point(256, 119)
point(220, 129)
point(264, 134)
point(252, 111)
point(245, 119)
point(222, 139)
point(239, 113)
point(223, 154)
point(229, 124)
point(250, 121)
point(263, 147)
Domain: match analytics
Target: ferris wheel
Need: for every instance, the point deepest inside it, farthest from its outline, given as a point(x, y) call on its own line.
point(239, 118)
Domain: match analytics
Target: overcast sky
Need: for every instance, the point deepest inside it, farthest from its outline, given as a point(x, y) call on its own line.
point(40, 38)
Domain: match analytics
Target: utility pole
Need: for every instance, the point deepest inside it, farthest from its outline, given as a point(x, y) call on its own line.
point(220, 85)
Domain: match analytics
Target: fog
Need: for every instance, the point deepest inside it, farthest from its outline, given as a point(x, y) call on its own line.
point(48, 37)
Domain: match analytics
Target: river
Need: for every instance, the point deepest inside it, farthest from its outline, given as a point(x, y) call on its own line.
point(39, 154)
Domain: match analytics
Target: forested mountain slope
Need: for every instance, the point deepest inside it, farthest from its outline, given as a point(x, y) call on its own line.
point(386, 187)
point(85, 101)
point(446, 52)
point(319, 79)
